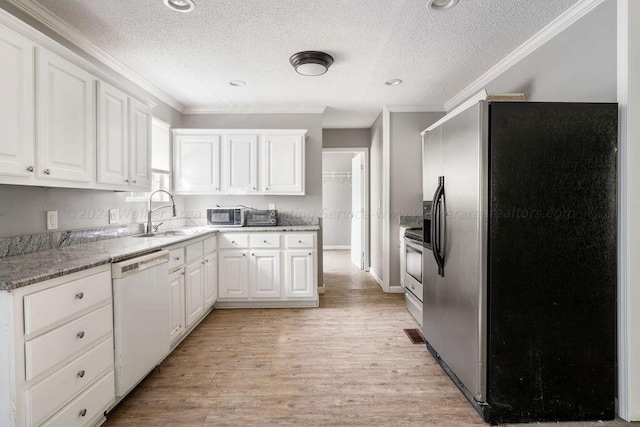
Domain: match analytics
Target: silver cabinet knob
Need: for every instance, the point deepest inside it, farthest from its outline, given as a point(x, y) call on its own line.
point(80, 334)
point(254, 188)
point(177, 258)
point(299, 241)
point(80, 295)
point(126, 180)
point(253, 254)
point(135, 182)
point(309, 253)
point(81, 374)
point(244, 254)
point(83, 412)
point(31, 169)
point(47, 172)
point(265, 241)
point(267, 188)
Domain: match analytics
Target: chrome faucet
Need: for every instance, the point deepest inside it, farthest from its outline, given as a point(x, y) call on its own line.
point(151, 211)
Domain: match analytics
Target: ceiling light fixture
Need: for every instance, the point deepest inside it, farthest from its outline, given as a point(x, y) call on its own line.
point(180, 5)
point(393, 82)
point(311, 62)
point(441, 4)
point(237, 83)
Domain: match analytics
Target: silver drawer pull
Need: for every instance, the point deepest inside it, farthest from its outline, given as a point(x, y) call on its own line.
point(299, 241)
point(244, 254)
point(47, 172)
point(265, 241)
point(83, 413)
point(253, 254)
point(31, 169)
point(126, 180)
point(135, 182)
point(233, 242)
point(81, 374)
point(177, 258)
point(80, 295)
point(309, 253)
point(80, 334)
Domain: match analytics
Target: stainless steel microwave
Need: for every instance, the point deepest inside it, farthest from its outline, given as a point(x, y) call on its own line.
point(227, 217)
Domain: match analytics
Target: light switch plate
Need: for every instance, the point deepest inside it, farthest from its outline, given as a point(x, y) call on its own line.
point(114, 215)
point(52, 220)
point(272, 206)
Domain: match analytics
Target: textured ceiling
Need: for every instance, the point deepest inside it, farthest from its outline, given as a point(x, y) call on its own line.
point(192, 56)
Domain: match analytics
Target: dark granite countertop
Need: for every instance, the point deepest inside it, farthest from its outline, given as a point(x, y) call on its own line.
point(23, 270)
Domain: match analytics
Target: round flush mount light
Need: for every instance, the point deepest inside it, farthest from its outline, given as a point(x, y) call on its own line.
point(237, 83)
point(393, 82)
point(311, 62)
point(180, 5)
point(441, 4)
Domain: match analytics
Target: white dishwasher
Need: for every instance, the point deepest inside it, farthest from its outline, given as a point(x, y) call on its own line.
point(141, 302)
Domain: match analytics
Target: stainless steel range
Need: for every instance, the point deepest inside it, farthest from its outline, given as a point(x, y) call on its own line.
point(413, 272)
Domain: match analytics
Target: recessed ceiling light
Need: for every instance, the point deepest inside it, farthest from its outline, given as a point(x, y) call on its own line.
point(180, 5)
point(311, 62)
point(393, 82)
point(237, 83)
point(441, 4)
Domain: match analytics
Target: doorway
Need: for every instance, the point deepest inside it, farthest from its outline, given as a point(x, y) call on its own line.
point(345, 202)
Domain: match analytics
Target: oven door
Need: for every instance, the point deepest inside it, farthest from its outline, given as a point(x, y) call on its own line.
point(413, 269)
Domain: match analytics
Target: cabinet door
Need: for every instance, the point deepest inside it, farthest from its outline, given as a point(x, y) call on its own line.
point(234, 274)
point(300, 273)
point(240, 164)
point(176, 286)
point(196, 163)
point(113, 145)
point(17, 119)
point(283, 164)
point(264, 274)
point(194, 284)
point(210, 279)
point(64, 110)
point(139, 145)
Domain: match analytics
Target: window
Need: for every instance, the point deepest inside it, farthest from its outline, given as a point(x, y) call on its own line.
point(160, 163)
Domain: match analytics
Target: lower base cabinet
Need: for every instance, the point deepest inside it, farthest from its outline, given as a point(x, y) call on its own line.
point(234, 274)
point(210, 280)
point(194, 291)
point(300, 274)
point(264, 274)
point(177, 323)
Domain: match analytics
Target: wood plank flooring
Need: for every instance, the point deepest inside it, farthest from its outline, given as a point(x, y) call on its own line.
point(346, 363)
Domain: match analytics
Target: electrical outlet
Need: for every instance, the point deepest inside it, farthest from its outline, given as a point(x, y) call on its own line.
point(272, 206)
point(52, 220)
point(113, 216)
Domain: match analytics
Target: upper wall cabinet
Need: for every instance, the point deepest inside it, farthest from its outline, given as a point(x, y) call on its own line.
point(65, 131)
point(124, 140)
point(17, 117)
point(51, 115)
point(241, 162)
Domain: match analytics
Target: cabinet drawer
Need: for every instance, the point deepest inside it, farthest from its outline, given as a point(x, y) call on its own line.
point(176, 258)
point(48, 395)
point(45, 309)
point(210, 244)
point(88, 406)
point(233, 241)
point(194, 251)
point(300, 240)
point(53, 347)
point(265, 240)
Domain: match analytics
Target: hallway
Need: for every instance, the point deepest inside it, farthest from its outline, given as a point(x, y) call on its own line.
point(347, 362)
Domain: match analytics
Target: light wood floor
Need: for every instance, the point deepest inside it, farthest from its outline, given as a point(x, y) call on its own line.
point(347, 362)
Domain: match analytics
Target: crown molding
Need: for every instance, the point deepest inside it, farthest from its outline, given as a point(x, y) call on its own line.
point(416, 109)
point(51, 21)
point(255, 110)
point(562, 22)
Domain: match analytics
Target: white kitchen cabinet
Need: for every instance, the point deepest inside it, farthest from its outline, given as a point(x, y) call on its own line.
point(139, 145)
point(57, 344)
point(210, 280)
point(65, 111)
point(177, 307)
point(234, 274)
point(113, 135)
point(124, 140)
point(240, 164)
point(194, 291)
point(264, 274)
point(196, 163)
point(300, 273)
point(17, 121)
point(282, 164)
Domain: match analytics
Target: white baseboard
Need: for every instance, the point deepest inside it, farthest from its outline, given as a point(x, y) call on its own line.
point(329, 247)
point(396, 289)
point(321, 289)
point(376, 277)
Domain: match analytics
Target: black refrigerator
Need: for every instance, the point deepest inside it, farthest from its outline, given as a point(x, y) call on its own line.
point(520, 281)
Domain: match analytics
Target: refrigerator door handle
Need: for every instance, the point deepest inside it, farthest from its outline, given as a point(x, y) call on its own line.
point(436, 232)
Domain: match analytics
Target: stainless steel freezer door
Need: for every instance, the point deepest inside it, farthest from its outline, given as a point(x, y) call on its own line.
point(460, 290)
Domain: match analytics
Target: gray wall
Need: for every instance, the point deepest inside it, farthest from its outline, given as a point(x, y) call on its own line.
point(336, 200)
point(309, 205)
point(375, 190)
point(23, 208)
point(337, 138)
point(406, 177)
